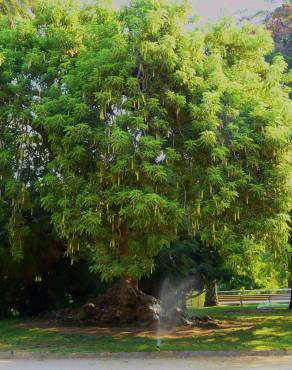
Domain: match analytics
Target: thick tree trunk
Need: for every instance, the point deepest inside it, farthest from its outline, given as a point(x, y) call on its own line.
point(211, 298)
point(126, 281)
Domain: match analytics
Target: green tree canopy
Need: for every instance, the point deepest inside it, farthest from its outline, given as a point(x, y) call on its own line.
point(133, 124)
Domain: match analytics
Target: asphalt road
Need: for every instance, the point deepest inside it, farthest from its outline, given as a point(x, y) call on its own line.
point(211, 363)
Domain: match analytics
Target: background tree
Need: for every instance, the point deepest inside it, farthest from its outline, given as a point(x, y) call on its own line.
point(190, 266)
point(240, 176)
point(34, 51)
point(280, 24)
point(219, 94)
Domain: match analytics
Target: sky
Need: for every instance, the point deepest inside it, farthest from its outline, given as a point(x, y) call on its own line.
point(211, 10)
point(214, 9)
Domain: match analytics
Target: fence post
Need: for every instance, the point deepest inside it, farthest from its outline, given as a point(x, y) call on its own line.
point(241, 299)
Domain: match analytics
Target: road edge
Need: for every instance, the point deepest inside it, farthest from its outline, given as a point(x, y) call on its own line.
point(23, 355)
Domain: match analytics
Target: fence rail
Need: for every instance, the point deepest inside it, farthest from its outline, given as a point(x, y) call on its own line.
point(241, 297)
point(254, 296)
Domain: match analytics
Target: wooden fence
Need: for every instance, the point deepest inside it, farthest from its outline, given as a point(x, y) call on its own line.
point(232, 297)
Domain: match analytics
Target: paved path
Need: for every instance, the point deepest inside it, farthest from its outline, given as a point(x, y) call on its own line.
point(211, 363)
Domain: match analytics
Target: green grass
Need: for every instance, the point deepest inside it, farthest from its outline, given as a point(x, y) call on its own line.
point(230, 311)
point(252, 331)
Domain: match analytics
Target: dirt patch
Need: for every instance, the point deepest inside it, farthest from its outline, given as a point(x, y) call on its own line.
point(177, 332)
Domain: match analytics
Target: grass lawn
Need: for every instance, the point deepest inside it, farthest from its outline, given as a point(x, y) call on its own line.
point(245, 328)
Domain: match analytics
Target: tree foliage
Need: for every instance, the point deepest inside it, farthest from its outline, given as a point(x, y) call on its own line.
point(123, 125)
point(280, 24)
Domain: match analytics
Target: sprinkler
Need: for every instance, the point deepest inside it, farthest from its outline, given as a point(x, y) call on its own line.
point(158, 344)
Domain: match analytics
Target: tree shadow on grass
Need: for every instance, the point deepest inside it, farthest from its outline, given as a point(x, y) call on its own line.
point(250, 332)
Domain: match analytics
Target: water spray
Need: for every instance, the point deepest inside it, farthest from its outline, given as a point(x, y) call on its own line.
point(158, 342)
point(172, 296)
point(158, 332)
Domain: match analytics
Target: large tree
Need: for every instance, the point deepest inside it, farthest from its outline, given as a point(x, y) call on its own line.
point(143, 124)
point(112, 182)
